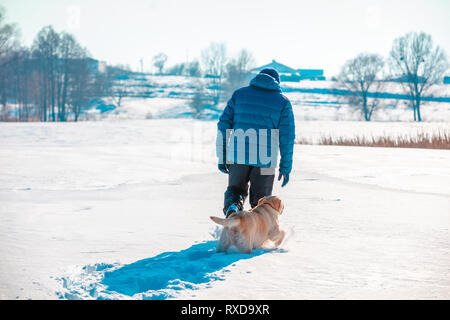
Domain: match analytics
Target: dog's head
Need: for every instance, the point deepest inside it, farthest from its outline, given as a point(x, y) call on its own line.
point(274, 202)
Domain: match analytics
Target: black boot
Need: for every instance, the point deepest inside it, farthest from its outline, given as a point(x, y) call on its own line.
point(231, 209)
point(234, 201)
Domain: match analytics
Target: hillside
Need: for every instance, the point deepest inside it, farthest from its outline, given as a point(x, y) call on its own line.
point(169, 97)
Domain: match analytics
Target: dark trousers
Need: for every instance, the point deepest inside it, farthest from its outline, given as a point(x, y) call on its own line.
point(239, 177)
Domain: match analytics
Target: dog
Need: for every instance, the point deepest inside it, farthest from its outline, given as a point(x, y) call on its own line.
point(249, 230)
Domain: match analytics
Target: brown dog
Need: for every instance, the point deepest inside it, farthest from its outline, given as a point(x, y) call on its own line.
point(248, 230)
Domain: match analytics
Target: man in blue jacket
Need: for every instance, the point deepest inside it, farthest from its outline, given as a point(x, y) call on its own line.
point(256, 123)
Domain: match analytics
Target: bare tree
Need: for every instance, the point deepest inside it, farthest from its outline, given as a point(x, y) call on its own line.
point(361, 77)
point(45, 48)
point(177, 69)
point(238, 70)
point(51, 79)
point(113, 83)
point(103, 84)
point(69, 51)
point(419, 64)
point(192, 69)
point(244, 62)
point(80, 87)
point(120, 90)
point(8, 36)
point(159, 61)
point(214, 59)
point(20, 80)
point(8, 46)
point(200, 100)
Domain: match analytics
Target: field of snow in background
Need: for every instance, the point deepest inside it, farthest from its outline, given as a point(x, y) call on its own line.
point(120, 210)
point(169, 97)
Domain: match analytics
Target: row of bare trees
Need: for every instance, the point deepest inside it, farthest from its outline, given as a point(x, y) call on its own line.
point(53, 80)
point(189, 69)
point(414, 61)
point(225, 72)
point(64, 79)
point(225, 75)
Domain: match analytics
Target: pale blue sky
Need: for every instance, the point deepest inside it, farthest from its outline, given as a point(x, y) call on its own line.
point(301, 34)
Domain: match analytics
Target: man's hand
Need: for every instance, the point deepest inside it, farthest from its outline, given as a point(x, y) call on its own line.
point(225, 168)
point(285, 178)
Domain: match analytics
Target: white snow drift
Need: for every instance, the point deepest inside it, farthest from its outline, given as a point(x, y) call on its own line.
point(106, 210)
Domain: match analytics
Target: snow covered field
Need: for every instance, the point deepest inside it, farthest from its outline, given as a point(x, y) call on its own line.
point(121, 210)
point(169, 97)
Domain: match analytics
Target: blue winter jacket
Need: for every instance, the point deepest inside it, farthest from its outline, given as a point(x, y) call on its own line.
point(256, 123)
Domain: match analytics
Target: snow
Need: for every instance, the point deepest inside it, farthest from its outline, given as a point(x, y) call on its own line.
point(163, 97)
point(120, 210)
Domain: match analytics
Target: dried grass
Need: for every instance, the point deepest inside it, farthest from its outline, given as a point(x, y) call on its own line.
point(438, 140)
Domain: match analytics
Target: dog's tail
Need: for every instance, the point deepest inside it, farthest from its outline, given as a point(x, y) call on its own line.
point(231, 222)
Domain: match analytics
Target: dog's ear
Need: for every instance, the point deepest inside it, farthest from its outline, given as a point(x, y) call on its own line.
point(280, 206)
point(276, 203)
point(261, 200)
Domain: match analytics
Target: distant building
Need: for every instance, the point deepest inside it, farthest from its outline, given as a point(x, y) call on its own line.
point(311, 74)
point(286, 73)
point(94, 66)
point(291, 74)
point(405, 79)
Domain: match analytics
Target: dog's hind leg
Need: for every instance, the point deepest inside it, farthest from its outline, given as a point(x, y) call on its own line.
point(244, 245)
point(278, 237)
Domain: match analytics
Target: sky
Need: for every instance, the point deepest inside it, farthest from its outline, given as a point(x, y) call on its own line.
point(301, 34)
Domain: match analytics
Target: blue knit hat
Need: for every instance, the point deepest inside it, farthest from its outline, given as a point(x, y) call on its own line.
point(271, 72)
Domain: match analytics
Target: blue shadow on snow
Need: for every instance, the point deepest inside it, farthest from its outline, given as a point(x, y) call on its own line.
point(173, 270)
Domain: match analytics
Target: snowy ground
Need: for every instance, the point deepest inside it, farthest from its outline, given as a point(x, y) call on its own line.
point(120, 210)
point(169, 97)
